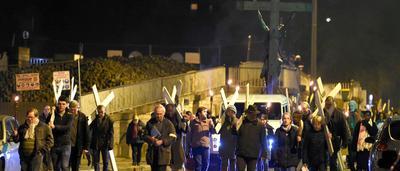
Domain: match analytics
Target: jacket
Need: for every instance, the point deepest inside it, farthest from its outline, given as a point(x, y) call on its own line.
point(337, 125)
point(141, 130)
point(251, 139)
point(177, 145)
point(102, 133)
point(82, 133)
point(43, 138)
point(200, 132)
point(315, 148)
point(228, 139)
point(285, 152)
point(162, 153)
point(62, 129)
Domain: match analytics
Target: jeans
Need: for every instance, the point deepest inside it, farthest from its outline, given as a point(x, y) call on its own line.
point(75, 159)
point(96, 159)
point(228, 163)
point(60, 156)
point(136, 153)
point(243, 162)
point(201, 156)
point(32, 163)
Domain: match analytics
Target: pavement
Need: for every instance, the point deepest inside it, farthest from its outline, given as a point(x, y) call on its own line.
point(123, 164)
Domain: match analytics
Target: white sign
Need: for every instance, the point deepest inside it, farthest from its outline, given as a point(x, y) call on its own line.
point(63, 76)
point(25, 82)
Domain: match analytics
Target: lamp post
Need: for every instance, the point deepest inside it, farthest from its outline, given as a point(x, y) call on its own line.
point(16, 99)
point(248, 47)
point(79, 72)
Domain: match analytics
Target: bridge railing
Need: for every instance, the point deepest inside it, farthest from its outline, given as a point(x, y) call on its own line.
point(130, 96)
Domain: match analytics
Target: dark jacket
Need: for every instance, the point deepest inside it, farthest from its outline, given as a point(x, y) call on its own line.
point(102, 132)
point(285, 152)
point(251, 139)
point(141, 130)
point(315, 148)
point(162, 153)
point(62, 130)
point(371, 129)
point(177, 145)
point(43, 138)
point(82, 133)
point(338, 127)
point(45, 119)
point(228, 140)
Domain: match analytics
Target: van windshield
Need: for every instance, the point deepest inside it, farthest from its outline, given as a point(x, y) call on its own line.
point(273, 112)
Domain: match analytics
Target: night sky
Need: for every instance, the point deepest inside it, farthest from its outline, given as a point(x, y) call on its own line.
point(362, 41)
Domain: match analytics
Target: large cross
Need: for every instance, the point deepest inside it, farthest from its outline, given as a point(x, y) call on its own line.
point(274, 7)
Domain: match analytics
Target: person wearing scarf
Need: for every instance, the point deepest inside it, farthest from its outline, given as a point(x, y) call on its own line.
point(134, 138)
point(285, 154)
point(35, 140)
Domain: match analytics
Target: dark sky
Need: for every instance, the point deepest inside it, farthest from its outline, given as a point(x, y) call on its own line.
point(362, 41)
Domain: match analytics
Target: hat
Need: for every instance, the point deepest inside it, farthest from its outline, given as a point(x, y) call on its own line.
point(252, 109)
point(232, 108)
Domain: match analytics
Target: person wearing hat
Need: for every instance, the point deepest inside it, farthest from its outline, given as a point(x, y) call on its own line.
point(134, 138)
point(79, 135)
point(227, 139)
point(363, 139)
point(250, 143)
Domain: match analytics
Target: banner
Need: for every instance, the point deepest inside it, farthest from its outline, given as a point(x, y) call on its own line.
point(26, 82)
point(59, 76)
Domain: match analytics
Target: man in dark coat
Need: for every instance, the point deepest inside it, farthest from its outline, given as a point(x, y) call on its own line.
point(35, 140)
point(228, 140)
point(338, 127)
point(79, 135)
point(61, 128)
point(134, 138)
point(251, 141)
point(160, 134)
point(285, 153)
point(102, 132)
point(45, 116)
point(177, 146)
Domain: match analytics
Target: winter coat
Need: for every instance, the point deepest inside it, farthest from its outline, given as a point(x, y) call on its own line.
point(338, 127)
point(160, 155)
point(228, 141)
point(251, 139)
point(177, 145)
point(102, 133)
point(43, 138)
point(62, 129)
point(82, 134)
point(314, 148)
point(139, 138)
point(285, 151)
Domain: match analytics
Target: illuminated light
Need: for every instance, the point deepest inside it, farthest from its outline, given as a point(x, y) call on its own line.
point(237, 88)
point(311, 83)
point(297, 57)
point(329, 19)
point(370, 98)
point(249, 36)
point(270, 142)
point(268, 104)
point(16, 98)
point(315, 88)
point(346, 114)
point(299, 108)
point(211, 92)
point(230, 81)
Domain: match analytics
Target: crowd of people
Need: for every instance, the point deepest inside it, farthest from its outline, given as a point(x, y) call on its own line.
point(57, 138)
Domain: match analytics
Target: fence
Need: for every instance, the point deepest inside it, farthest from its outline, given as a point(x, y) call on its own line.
point(130, 96)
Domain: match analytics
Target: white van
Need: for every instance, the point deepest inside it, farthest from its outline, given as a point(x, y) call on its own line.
point(274, 105)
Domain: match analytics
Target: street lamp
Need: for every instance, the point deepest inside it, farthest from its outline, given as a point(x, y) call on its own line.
point(16, 98)
point(248, 47)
